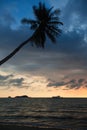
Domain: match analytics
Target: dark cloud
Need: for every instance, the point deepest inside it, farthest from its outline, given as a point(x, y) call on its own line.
point(71, 84)
point(7, 81)
point(71, 43)
point(79, 8)
point(17, 82)
point(5, 77)
point(7, 19)
point(75, 13)
point(56, 84)
point(10, 38)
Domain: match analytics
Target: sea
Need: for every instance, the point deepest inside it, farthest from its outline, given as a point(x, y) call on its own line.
point(65, 113)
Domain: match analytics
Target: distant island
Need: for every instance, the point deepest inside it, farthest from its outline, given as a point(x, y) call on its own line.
point(56, 97)
point(23, 96)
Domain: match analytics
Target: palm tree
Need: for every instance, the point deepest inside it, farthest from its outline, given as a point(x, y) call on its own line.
point(45, 24)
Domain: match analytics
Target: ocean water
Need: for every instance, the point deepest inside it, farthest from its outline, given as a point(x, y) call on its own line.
point(45, 112)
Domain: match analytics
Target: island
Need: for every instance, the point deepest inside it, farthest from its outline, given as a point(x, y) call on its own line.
point(56, 97)
point(9, 97)
point(23, 96)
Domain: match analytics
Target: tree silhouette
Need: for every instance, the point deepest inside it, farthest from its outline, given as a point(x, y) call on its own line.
point(45, 24)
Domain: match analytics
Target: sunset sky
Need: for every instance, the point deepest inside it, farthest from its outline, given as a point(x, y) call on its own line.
point(59, 69)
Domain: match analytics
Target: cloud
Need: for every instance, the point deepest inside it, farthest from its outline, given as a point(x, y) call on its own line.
point(7, 19)
point(56, 84)
point(5, 77)
point(58, 4)
point(16, 82)
point(75, 15)
point(71, 84)
point(7, 81)
point(78, 8)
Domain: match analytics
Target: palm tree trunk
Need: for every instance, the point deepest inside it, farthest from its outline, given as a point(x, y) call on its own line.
point(14, 51)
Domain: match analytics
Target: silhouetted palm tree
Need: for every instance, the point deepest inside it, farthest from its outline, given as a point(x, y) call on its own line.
point(45, 24)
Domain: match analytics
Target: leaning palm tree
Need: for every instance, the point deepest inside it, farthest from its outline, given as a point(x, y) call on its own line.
point(45, 24)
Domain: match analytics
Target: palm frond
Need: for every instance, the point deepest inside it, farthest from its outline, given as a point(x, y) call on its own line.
point(57, 30)
point(37, 11)
point(54, 18)
point(49, 10)
point(55, 22)
point(39, 38)
point(56, 12)
point(33, 27)
point(41, 12)
point(54, 30)
point(33, 23)
point(51, 36)
point(28, 21)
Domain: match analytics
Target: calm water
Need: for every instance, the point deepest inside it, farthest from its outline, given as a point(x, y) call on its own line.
point(56, 113)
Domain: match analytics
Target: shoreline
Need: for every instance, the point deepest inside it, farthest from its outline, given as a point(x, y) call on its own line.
point(25, 127)
point(12, 126)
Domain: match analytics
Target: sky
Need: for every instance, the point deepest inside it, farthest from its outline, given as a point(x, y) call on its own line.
point(58, 69)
